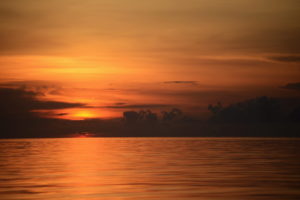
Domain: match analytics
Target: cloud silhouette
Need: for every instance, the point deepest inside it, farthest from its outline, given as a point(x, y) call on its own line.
point(258, 110)
point(18, 102)
point(182, 82)
point(40, 87)
point(291, 58)
point(292, 86)
point(18, 120)
point(136, 106)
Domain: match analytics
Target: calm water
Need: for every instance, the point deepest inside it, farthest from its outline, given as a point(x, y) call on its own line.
point(149, 168)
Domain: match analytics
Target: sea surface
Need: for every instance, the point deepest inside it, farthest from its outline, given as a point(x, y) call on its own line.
point(150, 168)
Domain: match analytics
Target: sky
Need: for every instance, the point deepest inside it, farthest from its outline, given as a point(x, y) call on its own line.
point(117, 55)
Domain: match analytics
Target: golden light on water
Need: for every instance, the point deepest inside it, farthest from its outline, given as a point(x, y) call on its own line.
point(149, 168)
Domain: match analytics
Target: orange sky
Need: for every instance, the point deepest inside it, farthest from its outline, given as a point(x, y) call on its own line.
point(115, 55)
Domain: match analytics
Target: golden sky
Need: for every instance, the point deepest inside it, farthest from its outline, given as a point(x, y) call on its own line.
point(114, 55)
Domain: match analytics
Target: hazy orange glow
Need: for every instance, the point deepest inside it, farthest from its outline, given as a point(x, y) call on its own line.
point(79, 113)
point(183, 54)
point(84, 114)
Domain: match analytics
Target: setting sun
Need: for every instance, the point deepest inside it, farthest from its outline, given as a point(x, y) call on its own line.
point(83, 114)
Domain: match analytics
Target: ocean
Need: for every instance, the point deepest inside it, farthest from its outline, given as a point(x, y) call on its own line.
point(150, 168)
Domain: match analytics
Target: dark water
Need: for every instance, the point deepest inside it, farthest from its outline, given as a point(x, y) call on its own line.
point(149, 168)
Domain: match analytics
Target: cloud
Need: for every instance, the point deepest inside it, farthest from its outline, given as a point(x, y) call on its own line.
point(18, 121)
point(292, 86)
point(21, 103)
point(206, 26)
point(290, 58)
point(261, 109)
point(182, 82)
point(39, 87)
point(61, 114)
point(18, 116)
point(120, 103)
point(137, 106)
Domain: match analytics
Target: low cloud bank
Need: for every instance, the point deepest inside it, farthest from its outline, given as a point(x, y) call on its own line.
point(262, 116)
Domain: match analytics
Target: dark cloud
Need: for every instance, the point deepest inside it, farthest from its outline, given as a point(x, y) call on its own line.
point(20, 103)
point(182, 82)
point(137, 106)
point(262, 109)
point(291, 58)
point(51, 105)
point(61, 114)
point(189, 57)
point(39, 87)
point(18, 119)
point(120, 103)
point(292, 86)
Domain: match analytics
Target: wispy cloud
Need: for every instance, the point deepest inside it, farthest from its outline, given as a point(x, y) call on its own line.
point(182, 82)
point(38, 87)
point(290, 58)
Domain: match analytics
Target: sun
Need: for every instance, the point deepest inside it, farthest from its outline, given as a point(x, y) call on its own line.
point(83, 114)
